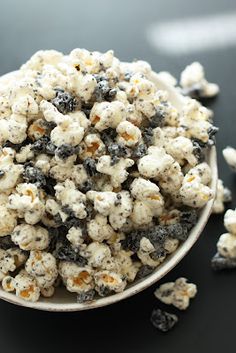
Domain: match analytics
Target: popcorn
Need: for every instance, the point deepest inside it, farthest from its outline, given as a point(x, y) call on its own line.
point(177, 293)
point(104, 115)
point(8, 220)
point(42, 267)
point(29, 237)
point(230, 221)
point(226, 245)
point(76, 279)
point(99, 229)
point(117, 172)
point(181, 149)
point(7, 263)
point(149, 202)
point(117, 206)
point(223, 195)
point(108, 281)
point(156, 163)
point(67, 194)
point(75, 236)
point(27, 203)
point(11, 172)
point(195, 121)
point(92, 146)
point(25, 287)
point(24, 154)
point(193, 191)
point(97, 254)
point(229, 154)
point(96, 165)
point(128, 134)
point(193, 81)
point(13, 129)
point(68, 131)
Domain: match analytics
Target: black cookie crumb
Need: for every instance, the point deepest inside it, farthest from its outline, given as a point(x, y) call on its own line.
point(163, 320)
point(65, 102)
point(219, 263)
point(90, 166)
point(84, 297)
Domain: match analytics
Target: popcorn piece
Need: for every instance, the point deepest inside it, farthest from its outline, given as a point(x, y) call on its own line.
point(92, 147)
point(151, 204)
point(77, 279)
point(8, 284)
point(195, 121)
point(128, 134)
point(230, 221)
point(99, 229)
point(26, 287)
point(194, 83)
point(10, 171)
point(42, 57)
point(229, 154)
point(167, 78)
point(104, 115)
point(181, 149)
point(155, 164)
point(67, 194)
point(226, 245)
point(117, 172)
point(193, 191)
point(171, 245)
point(29, 237)
point(8, 220)
point(42, 267)
point(177, 293)
point(97, 254)
point(26, 201)
point(24, 154)
point(118, 206)
point(7, 263)
point(13, 129)
point(126, 266)
point(67, 132)
point(223, 195)
point(108, 281)
point(75, 236)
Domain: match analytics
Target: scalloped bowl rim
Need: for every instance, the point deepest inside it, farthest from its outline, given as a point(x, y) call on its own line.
point(64, 301)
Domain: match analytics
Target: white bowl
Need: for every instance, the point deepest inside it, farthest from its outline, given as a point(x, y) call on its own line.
point(65, 301)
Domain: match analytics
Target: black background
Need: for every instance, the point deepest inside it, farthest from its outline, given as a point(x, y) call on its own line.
point(209, 323)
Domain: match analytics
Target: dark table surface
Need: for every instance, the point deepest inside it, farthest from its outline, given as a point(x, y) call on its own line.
point(209, 323)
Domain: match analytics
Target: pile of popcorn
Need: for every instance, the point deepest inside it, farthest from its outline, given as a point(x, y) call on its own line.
point(100, 176)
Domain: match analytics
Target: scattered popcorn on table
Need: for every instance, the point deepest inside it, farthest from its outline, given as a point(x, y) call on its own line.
point(225, 257)
point(229, 154)
point(195, 85)
point(223, 195)
point(101, 177)
point(177, 293)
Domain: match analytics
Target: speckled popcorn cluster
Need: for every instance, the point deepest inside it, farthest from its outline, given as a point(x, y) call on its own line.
point(100, 176)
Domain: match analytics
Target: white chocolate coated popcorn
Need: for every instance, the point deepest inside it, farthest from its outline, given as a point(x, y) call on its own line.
point(226, 245)
point(230, 221)
point(29, 237)
point(193, 76)
point(177, 293)
point(42, 267)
